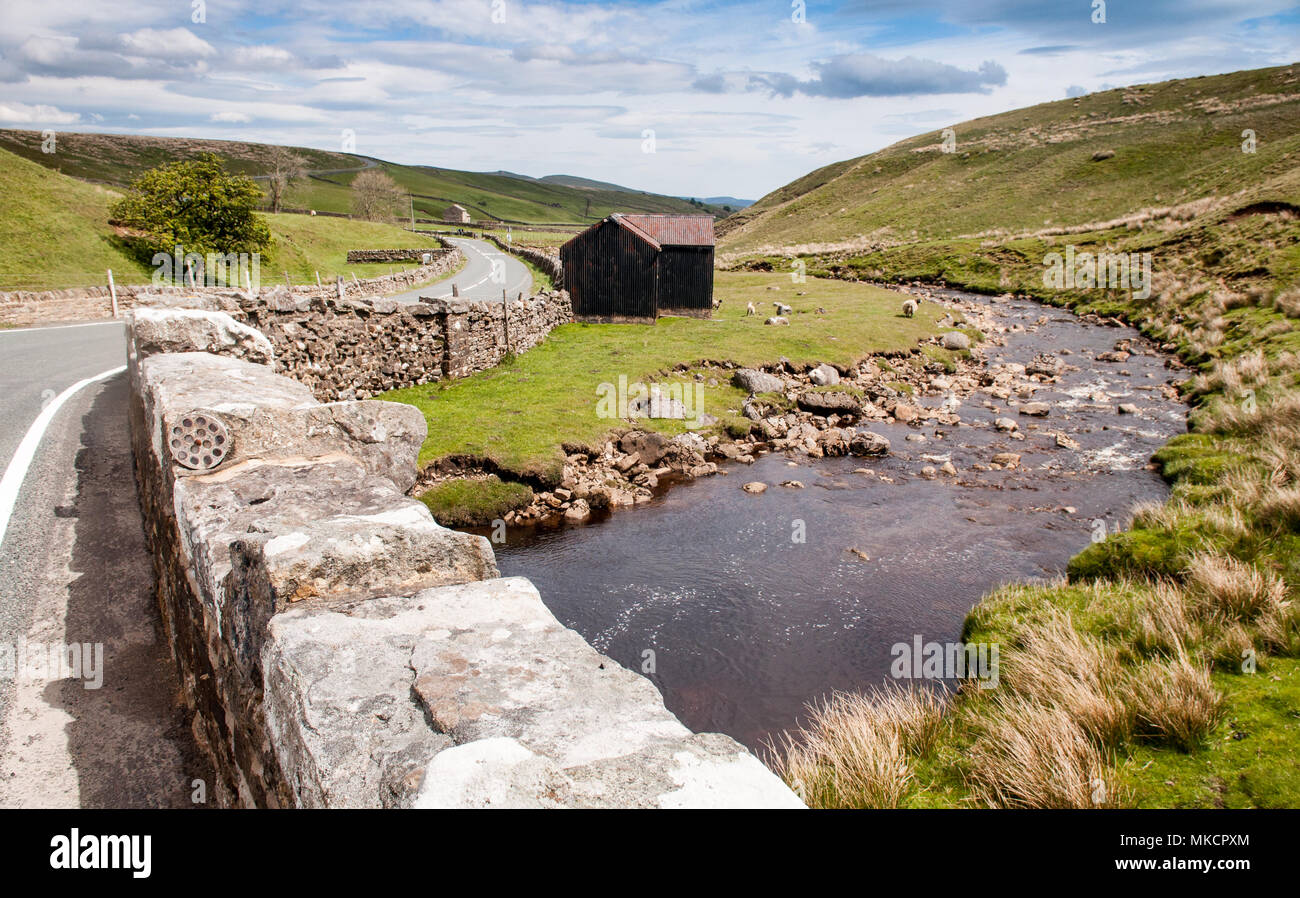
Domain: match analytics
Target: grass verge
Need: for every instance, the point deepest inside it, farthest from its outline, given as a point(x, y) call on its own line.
point(520, 414)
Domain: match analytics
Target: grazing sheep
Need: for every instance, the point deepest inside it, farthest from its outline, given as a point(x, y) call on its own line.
point(717, 303)
point(749, 309)
point(909, 308)
point(782, 309)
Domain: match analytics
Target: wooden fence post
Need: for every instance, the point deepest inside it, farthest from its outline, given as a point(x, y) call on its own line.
point(112, 291)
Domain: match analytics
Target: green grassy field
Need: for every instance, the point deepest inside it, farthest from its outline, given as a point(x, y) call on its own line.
point(56, 234)
point(1164, 673)
point(117, 159)
point(520, 414)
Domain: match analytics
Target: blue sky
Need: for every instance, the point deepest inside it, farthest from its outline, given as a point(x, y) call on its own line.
point(742, 97)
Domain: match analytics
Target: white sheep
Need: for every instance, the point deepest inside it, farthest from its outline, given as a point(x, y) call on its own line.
point(749, 309)
point(909, 308)
point(782, 310)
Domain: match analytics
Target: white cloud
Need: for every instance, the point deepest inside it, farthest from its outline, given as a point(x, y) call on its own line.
point(176, 44)
point(23, 114)
point(238, 117)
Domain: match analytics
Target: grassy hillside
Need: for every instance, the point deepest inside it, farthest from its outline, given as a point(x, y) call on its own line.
point(1034, 168)
point(55, 234)
point(1162, 671)
point(54, 230)
point(116, 159)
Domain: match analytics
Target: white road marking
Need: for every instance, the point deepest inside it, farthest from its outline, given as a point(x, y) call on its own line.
point(16, 472)
point(488, 257)
point(57, 327)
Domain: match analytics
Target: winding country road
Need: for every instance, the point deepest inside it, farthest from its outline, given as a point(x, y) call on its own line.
point(487, 272)
point(74, 569)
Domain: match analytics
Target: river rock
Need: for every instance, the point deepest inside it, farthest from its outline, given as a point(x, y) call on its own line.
point(578, 511)
point(755, 486)
point(1007, 459)
point(756, 381)
point(824, 376)
point(956, 340)
point(905, 414)
point(1036, 409)
point(646, 446)
point(833, 441)
point(834, 402)
point(866, 443)
point(1045, 364)
point(1128, 408)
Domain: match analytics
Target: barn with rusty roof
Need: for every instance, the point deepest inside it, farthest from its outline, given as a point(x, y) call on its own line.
point(638, 267)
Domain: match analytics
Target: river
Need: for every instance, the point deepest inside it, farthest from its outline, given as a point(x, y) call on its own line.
point(745, 624)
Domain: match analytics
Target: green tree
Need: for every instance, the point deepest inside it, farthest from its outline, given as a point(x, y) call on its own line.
point(196, 205)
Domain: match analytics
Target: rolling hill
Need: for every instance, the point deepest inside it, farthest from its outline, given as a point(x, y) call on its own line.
point(56, 234)
point(115, 159)
point(1064, 164)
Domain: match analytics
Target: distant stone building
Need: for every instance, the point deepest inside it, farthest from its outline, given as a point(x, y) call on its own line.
point(456, 214)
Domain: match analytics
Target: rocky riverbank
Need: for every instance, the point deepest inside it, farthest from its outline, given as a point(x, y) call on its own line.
point(946, 389)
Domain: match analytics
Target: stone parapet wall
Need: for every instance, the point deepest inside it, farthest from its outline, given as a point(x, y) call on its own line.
point(339, 648)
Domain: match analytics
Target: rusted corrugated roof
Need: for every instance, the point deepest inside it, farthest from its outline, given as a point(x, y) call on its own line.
point(670, 230)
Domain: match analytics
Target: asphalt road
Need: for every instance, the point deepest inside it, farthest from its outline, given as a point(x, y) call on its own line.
point(487, 272)
point(74, 570)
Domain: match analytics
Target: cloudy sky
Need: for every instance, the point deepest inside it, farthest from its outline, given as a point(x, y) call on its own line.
point(741, 97)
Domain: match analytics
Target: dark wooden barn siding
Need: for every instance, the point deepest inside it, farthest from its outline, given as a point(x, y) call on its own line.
point(610, 275)
point(685, 275)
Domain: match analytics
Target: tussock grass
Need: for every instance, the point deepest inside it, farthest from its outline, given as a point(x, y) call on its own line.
point(1279, 629)
point(1030, 755)
point(1175, 702)
point(1056, 666)
point(1230, 589)
point(856, 749)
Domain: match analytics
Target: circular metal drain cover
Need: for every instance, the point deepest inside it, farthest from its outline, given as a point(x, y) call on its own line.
point(199, 441)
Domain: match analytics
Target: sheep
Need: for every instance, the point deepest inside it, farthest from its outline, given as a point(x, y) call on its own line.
point(782, 310)
point(909, 308)
point(749, 309)
point(717, 303)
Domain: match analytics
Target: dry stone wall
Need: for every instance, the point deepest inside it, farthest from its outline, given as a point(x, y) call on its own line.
point(339, 648)
point(24, 308)
point(354, 349)
point(357, 256)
